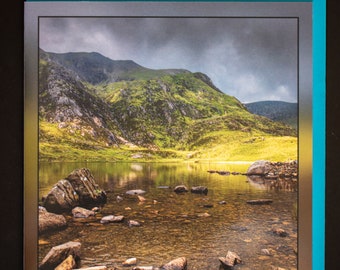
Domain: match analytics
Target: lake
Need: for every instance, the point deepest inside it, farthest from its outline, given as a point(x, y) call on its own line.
point(200, 227)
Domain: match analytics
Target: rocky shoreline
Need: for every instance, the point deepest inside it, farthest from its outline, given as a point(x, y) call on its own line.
point(78, 195)
point(267, 169)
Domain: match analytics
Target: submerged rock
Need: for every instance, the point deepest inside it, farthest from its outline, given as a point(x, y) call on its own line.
point(260, 201)
point(176, 264)
point(238, 228)
point(230, 260)
point(199, 190)
point(280, 232)
point(203, 215)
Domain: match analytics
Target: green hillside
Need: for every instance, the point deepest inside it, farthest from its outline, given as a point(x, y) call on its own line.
point(147, 115)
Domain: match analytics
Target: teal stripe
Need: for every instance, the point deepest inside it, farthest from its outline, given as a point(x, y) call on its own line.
point(171, 1)
point(319, 115)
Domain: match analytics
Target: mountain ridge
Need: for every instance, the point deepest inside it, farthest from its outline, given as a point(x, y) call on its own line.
point(95, 68)
point(281, 111)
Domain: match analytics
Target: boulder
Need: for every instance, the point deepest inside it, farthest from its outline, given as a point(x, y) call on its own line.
point(176, 264)
point(77, 189)
point(181, 189)
point(199, 190)
point(50, 221)
point(274, 170)
point(260, 167)
point(61, 198)
point(59, 253)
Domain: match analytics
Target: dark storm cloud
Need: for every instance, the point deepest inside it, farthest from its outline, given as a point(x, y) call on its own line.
point(250, 58)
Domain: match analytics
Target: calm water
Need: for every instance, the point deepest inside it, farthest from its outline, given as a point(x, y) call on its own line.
point(172, 225)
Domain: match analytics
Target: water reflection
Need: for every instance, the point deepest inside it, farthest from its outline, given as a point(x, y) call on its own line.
point(181, 225)
point(284, 184)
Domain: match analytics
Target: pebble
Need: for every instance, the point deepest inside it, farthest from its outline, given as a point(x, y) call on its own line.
point(265, 251)
point(130, 261)
point(280, 232)
point(263, 258)
point(203, 215)
point(133, 223)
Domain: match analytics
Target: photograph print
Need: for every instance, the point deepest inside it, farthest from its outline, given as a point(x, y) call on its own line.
point(169, 142)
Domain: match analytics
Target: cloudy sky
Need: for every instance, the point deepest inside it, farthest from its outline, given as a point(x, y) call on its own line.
point(252, 59)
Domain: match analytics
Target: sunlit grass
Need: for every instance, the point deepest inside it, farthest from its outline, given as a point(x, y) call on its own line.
point(239, 149)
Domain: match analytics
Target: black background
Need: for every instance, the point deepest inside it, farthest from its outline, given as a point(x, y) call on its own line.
point(11, 124)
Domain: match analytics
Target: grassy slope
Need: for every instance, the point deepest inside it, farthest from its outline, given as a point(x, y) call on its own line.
point(218, 146)
point(221, 130)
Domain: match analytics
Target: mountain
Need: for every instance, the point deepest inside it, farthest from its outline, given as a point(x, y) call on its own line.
point(280, 111)
point(95, 68)
point(66, 102)
point(93, 107)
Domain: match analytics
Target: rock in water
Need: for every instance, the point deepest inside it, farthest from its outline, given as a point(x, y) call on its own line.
point(59, 253)
point(230, 260)
point(279, 232)
point(133, 223)
point(130, 261)
point(260, 167)
point(135, 192)
point(181, 189)
point(77, 189)
point(260, 201)
point(176, 264)
point(79, 212)
point(50, 221)
point(86, 187)
point(111, 219)
point(199, 190)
